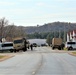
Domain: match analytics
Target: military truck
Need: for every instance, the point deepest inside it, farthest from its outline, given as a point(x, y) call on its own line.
point(57, 43)
point(20, 44)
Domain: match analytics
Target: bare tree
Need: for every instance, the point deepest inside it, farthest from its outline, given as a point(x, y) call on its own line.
point(21, 32)
point(14, 31)
point(3, 23)
point(10, 30)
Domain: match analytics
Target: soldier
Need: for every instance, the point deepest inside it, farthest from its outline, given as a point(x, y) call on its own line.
point(25, 49)
point(31, 47)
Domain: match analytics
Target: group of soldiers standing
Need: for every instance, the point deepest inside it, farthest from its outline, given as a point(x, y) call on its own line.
point(30, 45)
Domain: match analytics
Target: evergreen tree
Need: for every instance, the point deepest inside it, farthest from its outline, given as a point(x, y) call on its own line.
point(48, 39)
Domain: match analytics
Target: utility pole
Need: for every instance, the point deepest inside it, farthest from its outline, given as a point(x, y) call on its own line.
point(54, 34)
point(68, 36)
point(64, 35)
point(59, 34)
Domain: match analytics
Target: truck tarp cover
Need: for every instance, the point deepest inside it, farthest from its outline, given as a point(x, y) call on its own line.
point(56, 41)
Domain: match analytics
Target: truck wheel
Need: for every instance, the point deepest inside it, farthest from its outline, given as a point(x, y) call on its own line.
point(15, 50)
point(23, 49)
point(53, 48)
point(59, 48)
point(11, 50)
point(70, 48)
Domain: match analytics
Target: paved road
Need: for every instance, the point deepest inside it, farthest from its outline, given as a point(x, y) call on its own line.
point(40, 61)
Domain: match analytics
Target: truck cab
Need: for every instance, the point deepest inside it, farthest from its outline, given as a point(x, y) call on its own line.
point(19, 44)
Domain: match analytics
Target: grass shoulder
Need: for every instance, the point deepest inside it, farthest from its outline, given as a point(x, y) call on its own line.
point(4, 57)
point(73, 53)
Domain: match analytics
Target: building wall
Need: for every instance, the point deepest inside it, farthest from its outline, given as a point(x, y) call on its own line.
point(68, 38)
point(71, 36)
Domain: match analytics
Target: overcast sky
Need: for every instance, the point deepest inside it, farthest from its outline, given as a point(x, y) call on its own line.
point(33, 12)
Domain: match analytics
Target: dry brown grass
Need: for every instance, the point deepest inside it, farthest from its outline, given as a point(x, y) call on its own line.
point(4, 57)
point(73, 53)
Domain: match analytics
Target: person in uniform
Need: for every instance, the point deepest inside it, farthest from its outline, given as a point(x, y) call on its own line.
point(31, 47)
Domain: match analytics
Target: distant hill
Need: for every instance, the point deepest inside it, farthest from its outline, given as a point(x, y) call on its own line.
point(55, 26)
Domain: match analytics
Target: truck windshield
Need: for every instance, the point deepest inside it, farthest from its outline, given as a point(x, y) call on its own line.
point(71, 43)
point(18, 41)
point(7, 45)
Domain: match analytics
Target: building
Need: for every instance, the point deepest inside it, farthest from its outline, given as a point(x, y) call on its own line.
point(71, 36)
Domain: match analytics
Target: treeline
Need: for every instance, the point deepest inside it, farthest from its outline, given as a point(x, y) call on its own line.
point(45, 35)
point(12, 31)
point(37, 35)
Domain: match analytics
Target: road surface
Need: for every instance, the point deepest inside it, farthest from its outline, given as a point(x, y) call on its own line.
point(40, 61)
